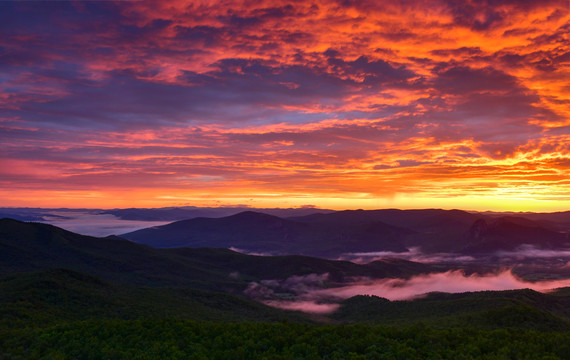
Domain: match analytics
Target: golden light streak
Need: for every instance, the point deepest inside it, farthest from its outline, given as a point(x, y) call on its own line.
point(393, 140)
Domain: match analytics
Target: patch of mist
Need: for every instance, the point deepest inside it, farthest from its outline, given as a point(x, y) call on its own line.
point(413, 254)
point(529, 251)
point(292, 293)
point(450, 282)
point(292, 286)
point(96, 224)
point(524, 252)
point(313, 297)
point(248, 252)
point(306, 306)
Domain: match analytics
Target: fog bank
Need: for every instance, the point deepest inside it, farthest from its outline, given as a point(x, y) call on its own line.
point(321, 300)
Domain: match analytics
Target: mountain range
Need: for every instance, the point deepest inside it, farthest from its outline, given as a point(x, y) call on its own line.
point(67, 295)
point(50, 275)
point(27, 247)
point(334, 234)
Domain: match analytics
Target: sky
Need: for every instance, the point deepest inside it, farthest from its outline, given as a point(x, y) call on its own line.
point(332, 104)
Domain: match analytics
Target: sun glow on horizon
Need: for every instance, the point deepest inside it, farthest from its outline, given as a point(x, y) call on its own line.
point(341, 105)
point(153, 199)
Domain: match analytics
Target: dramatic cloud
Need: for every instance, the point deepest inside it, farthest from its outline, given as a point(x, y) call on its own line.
point(340, 104)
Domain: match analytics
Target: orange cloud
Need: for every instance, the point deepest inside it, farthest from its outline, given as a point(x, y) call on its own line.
point(353, 104)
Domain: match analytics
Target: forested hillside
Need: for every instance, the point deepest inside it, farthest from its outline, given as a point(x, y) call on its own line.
point(68, 296)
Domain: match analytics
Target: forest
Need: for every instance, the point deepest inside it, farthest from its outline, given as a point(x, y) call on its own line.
point(179, 339)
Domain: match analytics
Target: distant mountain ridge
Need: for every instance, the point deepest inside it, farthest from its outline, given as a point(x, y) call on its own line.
point(333, 234)
point(264, 233)
point(150, 214)
point(26, 247)
point(509, 233)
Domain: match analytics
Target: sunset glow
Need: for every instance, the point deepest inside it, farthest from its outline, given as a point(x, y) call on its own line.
point(336, 104)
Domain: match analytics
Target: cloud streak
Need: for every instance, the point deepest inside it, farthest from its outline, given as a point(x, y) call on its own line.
point(364, 104)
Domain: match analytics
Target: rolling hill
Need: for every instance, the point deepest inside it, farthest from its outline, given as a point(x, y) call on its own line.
point(523, 308)
point(58, 296)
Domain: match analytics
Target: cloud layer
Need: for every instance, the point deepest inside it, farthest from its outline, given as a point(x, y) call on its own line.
point(337, 104)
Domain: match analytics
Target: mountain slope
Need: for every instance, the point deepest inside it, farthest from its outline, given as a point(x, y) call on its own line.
point(510, 233)
point(433, 230)
point(486, 309)
point(436, 230)
point(356, 231)
point(60, 295)
point(28, 247)
point(259, 232)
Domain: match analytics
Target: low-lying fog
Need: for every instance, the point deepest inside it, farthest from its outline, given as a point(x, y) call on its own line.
point(414, 254)
point(314, 294)
point(308, 294)
point(93, 224)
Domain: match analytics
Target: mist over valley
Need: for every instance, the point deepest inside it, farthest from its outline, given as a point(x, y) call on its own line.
point(393, 254)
